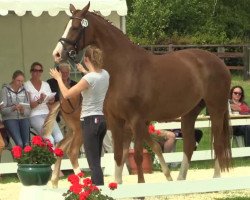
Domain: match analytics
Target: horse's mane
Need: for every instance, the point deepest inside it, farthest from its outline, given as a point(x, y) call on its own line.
point(115, 28)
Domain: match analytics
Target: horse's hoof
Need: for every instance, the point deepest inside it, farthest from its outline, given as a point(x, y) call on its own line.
point(217, 176)
point(54, 184)
point(169, 178)
point(180, 179)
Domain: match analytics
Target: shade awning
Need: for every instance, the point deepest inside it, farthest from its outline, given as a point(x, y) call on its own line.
point(53, 7)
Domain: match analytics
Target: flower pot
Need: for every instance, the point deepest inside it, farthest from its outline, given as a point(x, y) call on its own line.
point(146, 163)
point(34, 174)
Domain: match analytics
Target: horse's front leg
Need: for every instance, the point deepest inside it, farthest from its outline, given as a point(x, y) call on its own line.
point(121, 142)
point(139, 130)
point(119, 169)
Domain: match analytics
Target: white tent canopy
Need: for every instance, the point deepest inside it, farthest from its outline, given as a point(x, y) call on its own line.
point(53, 7)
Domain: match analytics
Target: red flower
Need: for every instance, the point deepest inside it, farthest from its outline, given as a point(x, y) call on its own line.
point(158, 132)
point(49, 144)
point(83, 196)
point(113, 186)
point(38, 140)
point(58, 152)
point(17, 152)
point(76, 188)
point(87, 182)
point(27, 149)
point(94, 188)
point(151, 129)
point(73, 179)
point(81, 174)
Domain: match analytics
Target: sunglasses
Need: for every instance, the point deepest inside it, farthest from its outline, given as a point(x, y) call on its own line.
point(237, 93)
point(37, 70)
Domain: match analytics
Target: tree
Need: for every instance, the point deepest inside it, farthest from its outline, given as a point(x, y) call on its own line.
point(199, 21)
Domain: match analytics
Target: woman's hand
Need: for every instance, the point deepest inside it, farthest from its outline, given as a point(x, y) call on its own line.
point(55, 74)
point(80, 68)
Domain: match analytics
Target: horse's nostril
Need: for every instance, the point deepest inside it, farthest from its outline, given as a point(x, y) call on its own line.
point(58, 54)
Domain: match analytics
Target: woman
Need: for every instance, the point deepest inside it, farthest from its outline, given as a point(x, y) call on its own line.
point(93, 87)
point(16, 110)
point(38, 90)
point(238, 105)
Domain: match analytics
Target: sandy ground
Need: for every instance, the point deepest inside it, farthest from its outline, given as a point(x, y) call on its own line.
point(11, 191)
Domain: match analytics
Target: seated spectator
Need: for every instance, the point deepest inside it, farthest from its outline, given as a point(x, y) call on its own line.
point(239, 106)
point(168, 144)
point(38, 90)
point(64, 68)
point(16, 110)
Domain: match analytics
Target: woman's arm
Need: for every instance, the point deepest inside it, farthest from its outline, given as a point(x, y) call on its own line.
point(75, 90)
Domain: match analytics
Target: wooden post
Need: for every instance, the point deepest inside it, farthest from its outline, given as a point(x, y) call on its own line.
point(246, 61)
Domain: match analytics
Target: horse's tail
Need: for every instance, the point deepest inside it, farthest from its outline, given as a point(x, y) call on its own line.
point(50, 120)
point(224, 153)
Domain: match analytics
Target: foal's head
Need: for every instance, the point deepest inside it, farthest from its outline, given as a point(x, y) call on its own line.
point(74, 37)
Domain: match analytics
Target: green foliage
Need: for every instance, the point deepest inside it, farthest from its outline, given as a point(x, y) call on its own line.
point(197, 21)
point(145, 20)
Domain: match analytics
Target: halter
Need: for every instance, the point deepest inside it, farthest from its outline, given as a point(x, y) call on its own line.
point(72, 53)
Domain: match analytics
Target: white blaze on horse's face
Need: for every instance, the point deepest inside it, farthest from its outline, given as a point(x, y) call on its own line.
point(57, 53)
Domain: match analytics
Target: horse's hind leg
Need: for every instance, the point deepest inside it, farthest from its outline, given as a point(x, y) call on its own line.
point(187, 128)
point(157, 150)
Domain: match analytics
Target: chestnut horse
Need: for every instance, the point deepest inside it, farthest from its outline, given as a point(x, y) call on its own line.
point(146, 87)
point(70, 111)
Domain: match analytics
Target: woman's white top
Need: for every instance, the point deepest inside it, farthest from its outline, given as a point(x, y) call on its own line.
point(35, 95)
point(93, 97)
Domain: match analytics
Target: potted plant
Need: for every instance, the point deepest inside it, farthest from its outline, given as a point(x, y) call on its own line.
point(34, 161)
point(82, 188)
point(148, 154)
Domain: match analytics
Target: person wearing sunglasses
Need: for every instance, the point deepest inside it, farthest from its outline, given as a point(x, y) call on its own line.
point(38, 90)
point(239, 106)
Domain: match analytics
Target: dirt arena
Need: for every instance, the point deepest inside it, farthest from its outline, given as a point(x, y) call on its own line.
point(11, 191)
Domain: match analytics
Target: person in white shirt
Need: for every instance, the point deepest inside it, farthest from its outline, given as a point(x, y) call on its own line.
point(38, 90)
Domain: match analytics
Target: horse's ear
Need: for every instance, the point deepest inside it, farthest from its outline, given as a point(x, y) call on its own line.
point(72, 8)
point(85, 10)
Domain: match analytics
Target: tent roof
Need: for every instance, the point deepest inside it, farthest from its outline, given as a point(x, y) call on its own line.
point(53, 7)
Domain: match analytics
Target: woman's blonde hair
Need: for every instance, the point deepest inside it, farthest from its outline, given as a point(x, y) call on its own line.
point(95, 56)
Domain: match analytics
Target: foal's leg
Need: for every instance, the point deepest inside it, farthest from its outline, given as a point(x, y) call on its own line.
point(64, 145)
point(157, 150)
point(74, 149)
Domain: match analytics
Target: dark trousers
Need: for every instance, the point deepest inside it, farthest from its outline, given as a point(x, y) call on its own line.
point(94, 130)
point(243, 131)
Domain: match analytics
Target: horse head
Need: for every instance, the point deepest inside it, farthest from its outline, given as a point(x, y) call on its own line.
point(73, 39)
